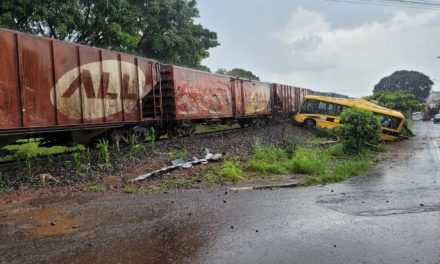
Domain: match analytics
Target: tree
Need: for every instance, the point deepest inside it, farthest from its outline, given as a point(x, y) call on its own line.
point(169, 32)
point(412, 81)
point(358, 129)
point(222, 71)
point(237, 72)
point(399, 100)
point(159, 29)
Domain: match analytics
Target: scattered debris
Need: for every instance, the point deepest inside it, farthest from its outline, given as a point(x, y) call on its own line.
point(47, 177)
point(180, 163)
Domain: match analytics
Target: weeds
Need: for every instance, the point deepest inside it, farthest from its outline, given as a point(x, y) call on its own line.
point(117, 146)
point(343, 170)
point(134, 190)
point(176, 154)
point(323, 165)
point(289, 146)
point(229, 171)
point(96, 188)
point(77, 161)
point(268, 160)
point(180, 182)
point(28, 162)
point(308, 161)
point(103, 147)
point(135, 147)
point(152, 136)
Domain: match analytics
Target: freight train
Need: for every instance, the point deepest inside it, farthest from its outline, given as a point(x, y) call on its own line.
point(68, 93)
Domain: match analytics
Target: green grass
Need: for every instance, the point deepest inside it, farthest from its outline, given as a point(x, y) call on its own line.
point(268, 160)
point(32, 149)
point(310, 161)
point(130, 189)
point(229, 171)
point(176, 154)
point(342, 171)
point(135, 190)
point(322, 165)
point(180, 182)
point(96, 188)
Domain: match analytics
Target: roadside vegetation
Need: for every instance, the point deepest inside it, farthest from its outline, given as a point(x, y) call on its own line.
point(319, 164)
point(322, 159)
point(326, 156)
point(29, 149)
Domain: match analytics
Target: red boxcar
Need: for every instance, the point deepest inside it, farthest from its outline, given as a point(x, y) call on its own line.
point(48, 85)
point(195, 95)
point(192, 96)
point(253, 98)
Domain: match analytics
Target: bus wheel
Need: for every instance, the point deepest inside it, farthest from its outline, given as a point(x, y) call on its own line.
point(309, 124)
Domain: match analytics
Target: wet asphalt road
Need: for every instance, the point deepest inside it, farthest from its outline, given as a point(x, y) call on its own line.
point(390, 215)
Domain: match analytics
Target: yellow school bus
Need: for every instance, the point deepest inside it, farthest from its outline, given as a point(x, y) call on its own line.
point(324, 112)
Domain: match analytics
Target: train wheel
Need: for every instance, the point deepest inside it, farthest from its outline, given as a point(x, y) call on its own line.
point(309, 124)
point(173, 132)
point(189, 131)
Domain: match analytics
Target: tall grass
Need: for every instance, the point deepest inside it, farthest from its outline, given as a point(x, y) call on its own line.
point(309, 161)
point(103, 147)
point(268, 160)
point(229, 171)
point(323, 165)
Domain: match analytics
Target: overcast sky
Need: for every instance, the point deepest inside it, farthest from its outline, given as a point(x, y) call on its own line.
point(322, 45)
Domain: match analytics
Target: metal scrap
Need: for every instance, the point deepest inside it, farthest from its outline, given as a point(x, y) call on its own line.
point(180, 163)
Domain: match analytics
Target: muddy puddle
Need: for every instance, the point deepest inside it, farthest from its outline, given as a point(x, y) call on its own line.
point(39, 222)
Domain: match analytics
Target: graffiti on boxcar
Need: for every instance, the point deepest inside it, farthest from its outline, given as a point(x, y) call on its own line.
point(200, 101)
point(102, 88)
point(257, 99)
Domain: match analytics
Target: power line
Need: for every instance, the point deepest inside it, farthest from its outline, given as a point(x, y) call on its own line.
point(419, 4)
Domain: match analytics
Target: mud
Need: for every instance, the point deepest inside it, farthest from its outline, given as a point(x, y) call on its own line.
point(389, 215)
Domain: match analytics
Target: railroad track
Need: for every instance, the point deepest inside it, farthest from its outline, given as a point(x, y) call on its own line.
point(61, 157)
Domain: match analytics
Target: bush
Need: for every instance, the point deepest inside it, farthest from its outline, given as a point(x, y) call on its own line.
point(358, 129)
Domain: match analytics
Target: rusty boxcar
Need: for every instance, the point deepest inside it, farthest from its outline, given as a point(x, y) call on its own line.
point(193, 96)
point(72, 91)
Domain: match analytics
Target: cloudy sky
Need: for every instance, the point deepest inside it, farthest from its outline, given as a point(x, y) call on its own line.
point(322, 45)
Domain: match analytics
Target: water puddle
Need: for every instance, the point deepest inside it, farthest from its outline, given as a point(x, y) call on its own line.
point(40, 222)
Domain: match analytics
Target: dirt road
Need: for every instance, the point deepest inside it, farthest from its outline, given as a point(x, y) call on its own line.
point(390, 215)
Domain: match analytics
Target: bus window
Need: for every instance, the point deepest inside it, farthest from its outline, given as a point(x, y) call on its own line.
point(389, 121)
point(322, 107)
point(340, 109)
point(309, 107)
point(331, 109)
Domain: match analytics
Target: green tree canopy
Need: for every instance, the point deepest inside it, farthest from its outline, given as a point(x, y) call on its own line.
point(402, 101)
point(412, 81)
point(159, 29)
point(221, 71)
point(237, 72)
